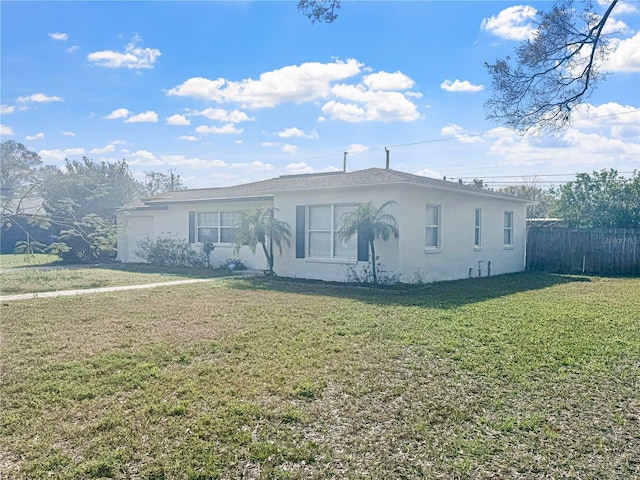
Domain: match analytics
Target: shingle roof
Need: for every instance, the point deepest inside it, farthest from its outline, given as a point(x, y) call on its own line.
point(267, 188)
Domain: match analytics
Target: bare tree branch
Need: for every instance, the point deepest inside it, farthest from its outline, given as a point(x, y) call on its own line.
point(552, 73)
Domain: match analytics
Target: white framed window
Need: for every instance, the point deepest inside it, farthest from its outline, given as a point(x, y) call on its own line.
point(432, 228)
point(477, 235)
point(508, 229)
point(322, 233)
point(216, 227)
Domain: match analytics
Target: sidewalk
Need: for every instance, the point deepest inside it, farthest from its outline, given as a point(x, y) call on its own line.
point(88, 291)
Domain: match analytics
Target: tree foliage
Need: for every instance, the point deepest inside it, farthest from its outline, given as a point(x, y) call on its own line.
point(370, 223)
point(157, 183)
point(544, 199)
point(260, 227)
point(601, 199)
point(553, 72)
point(81, 198)
point(19, 179)
point(319, 10)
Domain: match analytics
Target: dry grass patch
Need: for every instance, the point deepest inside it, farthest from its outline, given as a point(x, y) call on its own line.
point(48, 278)
point(521, 376)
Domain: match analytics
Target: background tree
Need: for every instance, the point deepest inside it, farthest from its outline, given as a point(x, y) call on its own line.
point(531, 190)
point(600, 199)
point(259, 226)
point(19, 179)
point(81, 199)
point(156, 183)
point(370, 223)
point(553, 72)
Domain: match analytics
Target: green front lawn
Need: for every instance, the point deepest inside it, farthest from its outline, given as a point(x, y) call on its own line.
point(518, 376)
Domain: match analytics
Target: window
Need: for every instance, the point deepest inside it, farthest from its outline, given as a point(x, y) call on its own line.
point(208, 227)
point(508, 228)
point(322, 233)
point(432, 227)
point(217, 227)
point(477, 242)
point(228, 228)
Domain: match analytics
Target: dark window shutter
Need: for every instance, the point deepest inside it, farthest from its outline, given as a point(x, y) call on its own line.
point(192, 227)
point(363, 248)
point(300, 226)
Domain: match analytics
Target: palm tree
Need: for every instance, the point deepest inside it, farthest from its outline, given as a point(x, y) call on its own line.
point(371, 223)
point(259, 226)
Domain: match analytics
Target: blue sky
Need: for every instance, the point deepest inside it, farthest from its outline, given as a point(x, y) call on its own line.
point(228, 92)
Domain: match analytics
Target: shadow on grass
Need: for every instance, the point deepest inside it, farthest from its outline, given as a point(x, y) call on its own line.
point(449, 294)
point(186, 272)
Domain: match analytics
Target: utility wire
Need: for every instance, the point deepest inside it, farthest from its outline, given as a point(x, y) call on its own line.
point(455, 137)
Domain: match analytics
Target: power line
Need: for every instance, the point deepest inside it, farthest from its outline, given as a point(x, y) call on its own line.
point(455, 137)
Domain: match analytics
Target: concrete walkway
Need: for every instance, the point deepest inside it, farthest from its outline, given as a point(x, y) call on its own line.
point(88, 291)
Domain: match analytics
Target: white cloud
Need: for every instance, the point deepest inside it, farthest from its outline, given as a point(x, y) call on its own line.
point(40, 98)
point(588, 142)
point(512, 23)
point(625, 56)
point(197, 163)
point(73, 48)
point(7, 109)
point(388, 81)
point(178, 120)
point(294, 83)
point(460, 86)
point(623, 7)
point(119, 113)
point(189, 138)
point(143, 158)
point(426, 172)
point(357, 147)
point(460, 134)
point(68, 133)
point(6, 130)
point(145, 117)
point(301, 168)
point(221, 115)
point(296, 132)
point(63, 37)
point(256, 166)
point(133, 57)
point(37, 136)
point(364, 105)
point(58, 155)
point(106, 149)
point(222, 130)
point(288, 148)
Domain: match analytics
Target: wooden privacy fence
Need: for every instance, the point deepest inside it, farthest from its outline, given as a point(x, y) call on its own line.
point(584, 250)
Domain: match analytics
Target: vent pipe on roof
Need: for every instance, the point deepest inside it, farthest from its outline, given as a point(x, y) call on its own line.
point(387, 152)
point(344, 162)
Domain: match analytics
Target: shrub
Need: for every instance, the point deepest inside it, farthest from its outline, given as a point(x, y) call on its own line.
point(169, 251)
point(232, 264)
point(364, 276)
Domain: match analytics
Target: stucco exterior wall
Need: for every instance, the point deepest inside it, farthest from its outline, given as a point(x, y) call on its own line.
point(407, 256)
point(135, 226)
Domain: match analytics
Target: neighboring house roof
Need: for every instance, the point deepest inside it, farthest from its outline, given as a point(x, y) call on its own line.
point(267, 188)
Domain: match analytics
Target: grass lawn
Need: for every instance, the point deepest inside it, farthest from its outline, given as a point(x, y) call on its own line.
point(519, 376)
point(18, 260)
point(23, 278)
